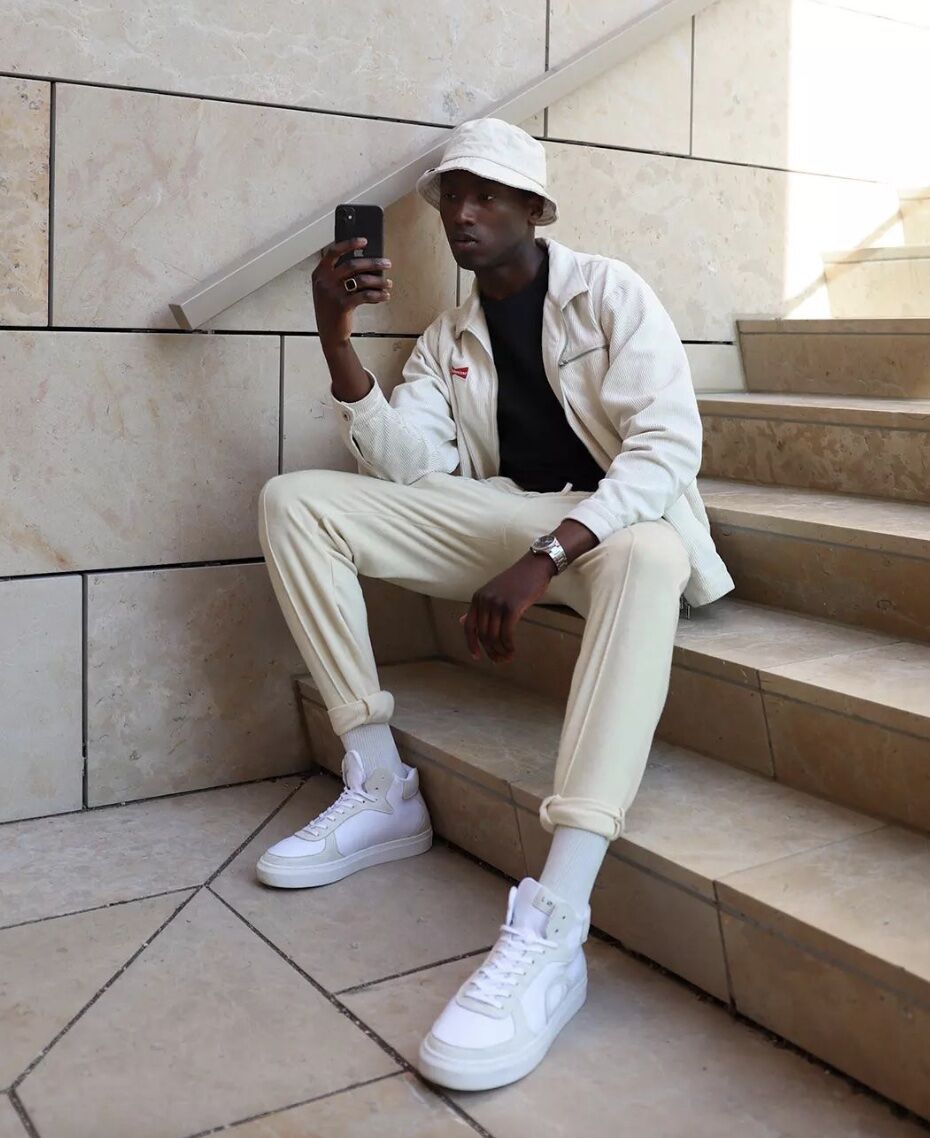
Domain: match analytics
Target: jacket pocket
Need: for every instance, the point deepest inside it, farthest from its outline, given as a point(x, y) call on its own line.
point(580, 353)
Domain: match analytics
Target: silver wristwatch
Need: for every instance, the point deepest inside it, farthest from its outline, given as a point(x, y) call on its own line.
point(551, 545)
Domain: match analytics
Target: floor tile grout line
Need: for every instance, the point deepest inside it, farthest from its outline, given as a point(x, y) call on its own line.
point(355, 989)
point(295, 1105)
point(24, 1116)
point(104, 571)
point(195, 892)
point(691, 108)
point(302, 774)
point(99, 908)
point(356, 1020)
point(99, 993)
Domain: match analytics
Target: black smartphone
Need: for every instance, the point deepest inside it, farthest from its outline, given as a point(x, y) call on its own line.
point(361, 221)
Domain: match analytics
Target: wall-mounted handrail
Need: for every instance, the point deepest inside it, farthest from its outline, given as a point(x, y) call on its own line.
point(284, 252)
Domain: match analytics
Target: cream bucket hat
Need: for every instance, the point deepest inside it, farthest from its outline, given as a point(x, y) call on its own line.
point(499, 151)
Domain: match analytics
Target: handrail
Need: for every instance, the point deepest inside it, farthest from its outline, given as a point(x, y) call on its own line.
point(284, 252)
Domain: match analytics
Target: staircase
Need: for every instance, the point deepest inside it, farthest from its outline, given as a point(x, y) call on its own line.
point(777, 854)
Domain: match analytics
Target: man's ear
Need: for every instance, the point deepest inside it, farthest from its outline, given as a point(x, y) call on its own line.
point(537, 205)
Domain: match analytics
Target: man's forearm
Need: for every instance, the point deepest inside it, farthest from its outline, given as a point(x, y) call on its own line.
point(350, 381)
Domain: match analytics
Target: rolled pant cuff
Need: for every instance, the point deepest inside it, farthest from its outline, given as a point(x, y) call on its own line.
point(583, 814)
point(375, 708)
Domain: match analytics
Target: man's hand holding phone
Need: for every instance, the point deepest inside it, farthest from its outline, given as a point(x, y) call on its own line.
point(333, 301)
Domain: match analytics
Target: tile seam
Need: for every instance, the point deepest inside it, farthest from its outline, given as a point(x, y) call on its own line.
point(301, 774)
point(435, 125)
point(367, 984)
point(135, 955)
point(296, 1105)
point(852, 716)
point(351, 1016)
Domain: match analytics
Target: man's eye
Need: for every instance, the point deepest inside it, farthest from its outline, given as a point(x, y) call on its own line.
point(488, 197)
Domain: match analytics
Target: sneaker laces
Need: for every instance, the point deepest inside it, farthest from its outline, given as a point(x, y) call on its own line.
point(344, 804)
point(496, 979)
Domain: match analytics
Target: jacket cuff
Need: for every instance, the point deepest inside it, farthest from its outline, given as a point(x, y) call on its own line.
point(359, 412)
point(591, 514)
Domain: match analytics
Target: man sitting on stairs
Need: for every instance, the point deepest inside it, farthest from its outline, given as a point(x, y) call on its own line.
point(543, 446)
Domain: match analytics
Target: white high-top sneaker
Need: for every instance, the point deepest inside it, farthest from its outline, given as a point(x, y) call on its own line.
point(383, 818)
point(503, 1019)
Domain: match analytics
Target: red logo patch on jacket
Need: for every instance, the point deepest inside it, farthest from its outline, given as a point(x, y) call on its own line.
point(461, 372)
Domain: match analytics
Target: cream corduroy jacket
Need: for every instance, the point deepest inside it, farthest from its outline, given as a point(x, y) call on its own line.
point(619, 370)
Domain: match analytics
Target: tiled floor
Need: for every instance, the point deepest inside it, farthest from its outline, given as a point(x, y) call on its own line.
point(151, 988)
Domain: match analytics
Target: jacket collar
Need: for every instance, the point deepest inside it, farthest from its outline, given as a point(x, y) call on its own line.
point(566, 281)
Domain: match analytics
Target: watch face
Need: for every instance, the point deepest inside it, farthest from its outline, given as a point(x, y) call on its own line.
point(545, 542)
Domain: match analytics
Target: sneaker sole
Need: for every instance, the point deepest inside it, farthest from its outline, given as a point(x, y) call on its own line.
point(304, 877)
point(485, 1075)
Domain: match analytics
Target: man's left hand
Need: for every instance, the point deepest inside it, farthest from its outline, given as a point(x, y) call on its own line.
point(498, 605)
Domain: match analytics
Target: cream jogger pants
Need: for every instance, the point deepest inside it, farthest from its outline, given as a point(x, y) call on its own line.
point(446, 536)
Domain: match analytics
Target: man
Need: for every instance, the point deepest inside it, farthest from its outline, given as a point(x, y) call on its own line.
point(543, 446)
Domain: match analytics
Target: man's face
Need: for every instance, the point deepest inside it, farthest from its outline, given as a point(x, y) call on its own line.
point(484, 220)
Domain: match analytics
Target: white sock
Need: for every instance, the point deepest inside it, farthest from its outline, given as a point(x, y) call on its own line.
point(376, 748)
point(574, 859)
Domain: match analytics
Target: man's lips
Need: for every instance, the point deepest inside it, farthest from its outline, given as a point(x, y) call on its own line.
point(464, 241)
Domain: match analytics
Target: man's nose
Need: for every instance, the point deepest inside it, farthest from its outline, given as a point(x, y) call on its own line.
point(463, 212)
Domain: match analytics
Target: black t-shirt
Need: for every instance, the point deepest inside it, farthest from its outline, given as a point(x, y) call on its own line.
point(538, 449)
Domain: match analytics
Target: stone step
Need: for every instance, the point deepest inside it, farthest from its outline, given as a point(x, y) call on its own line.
point(810, 918)
point(877, 358)
point(880, 282)
point(839, 711)
point(862, 561)
point(915, 216)
point(844, 443)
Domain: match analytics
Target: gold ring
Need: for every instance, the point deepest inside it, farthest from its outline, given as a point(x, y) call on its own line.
point(350, 281)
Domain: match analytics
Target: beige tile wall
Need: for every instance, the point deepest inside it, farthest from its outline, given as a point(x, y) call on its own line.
point(25, 109)
point(172, 144)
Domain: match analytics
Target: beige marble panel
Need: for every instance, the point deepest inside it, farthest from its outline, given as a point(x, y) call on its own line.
point(915, 216)
point(817, 575)
point(881, 366)
point(735, 640)
point(715, 241)
point(396, 1107)
point(715, 367)
point(862, 902)
point(544, 657)
point(142, 178)
point(10, 1124)
point(646, 914)
point(150, 847)
point(888, 685)
point(351, 936)
point(874, 1034)
point(41, 766)
point(311, 428)
point(399, 622)
point(861, 523)
point(190, 681)
point(133, 449)
point(716, 717)
point(230, 1031)
point(767, 104)
point(651, 1058)
point(645, 102)
point(50, 969)
point(695, 819)
point(848, 760)
point(841, 457)
point(879, 288)
point(25, 112)
point(463, 811)
point(398, 60)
